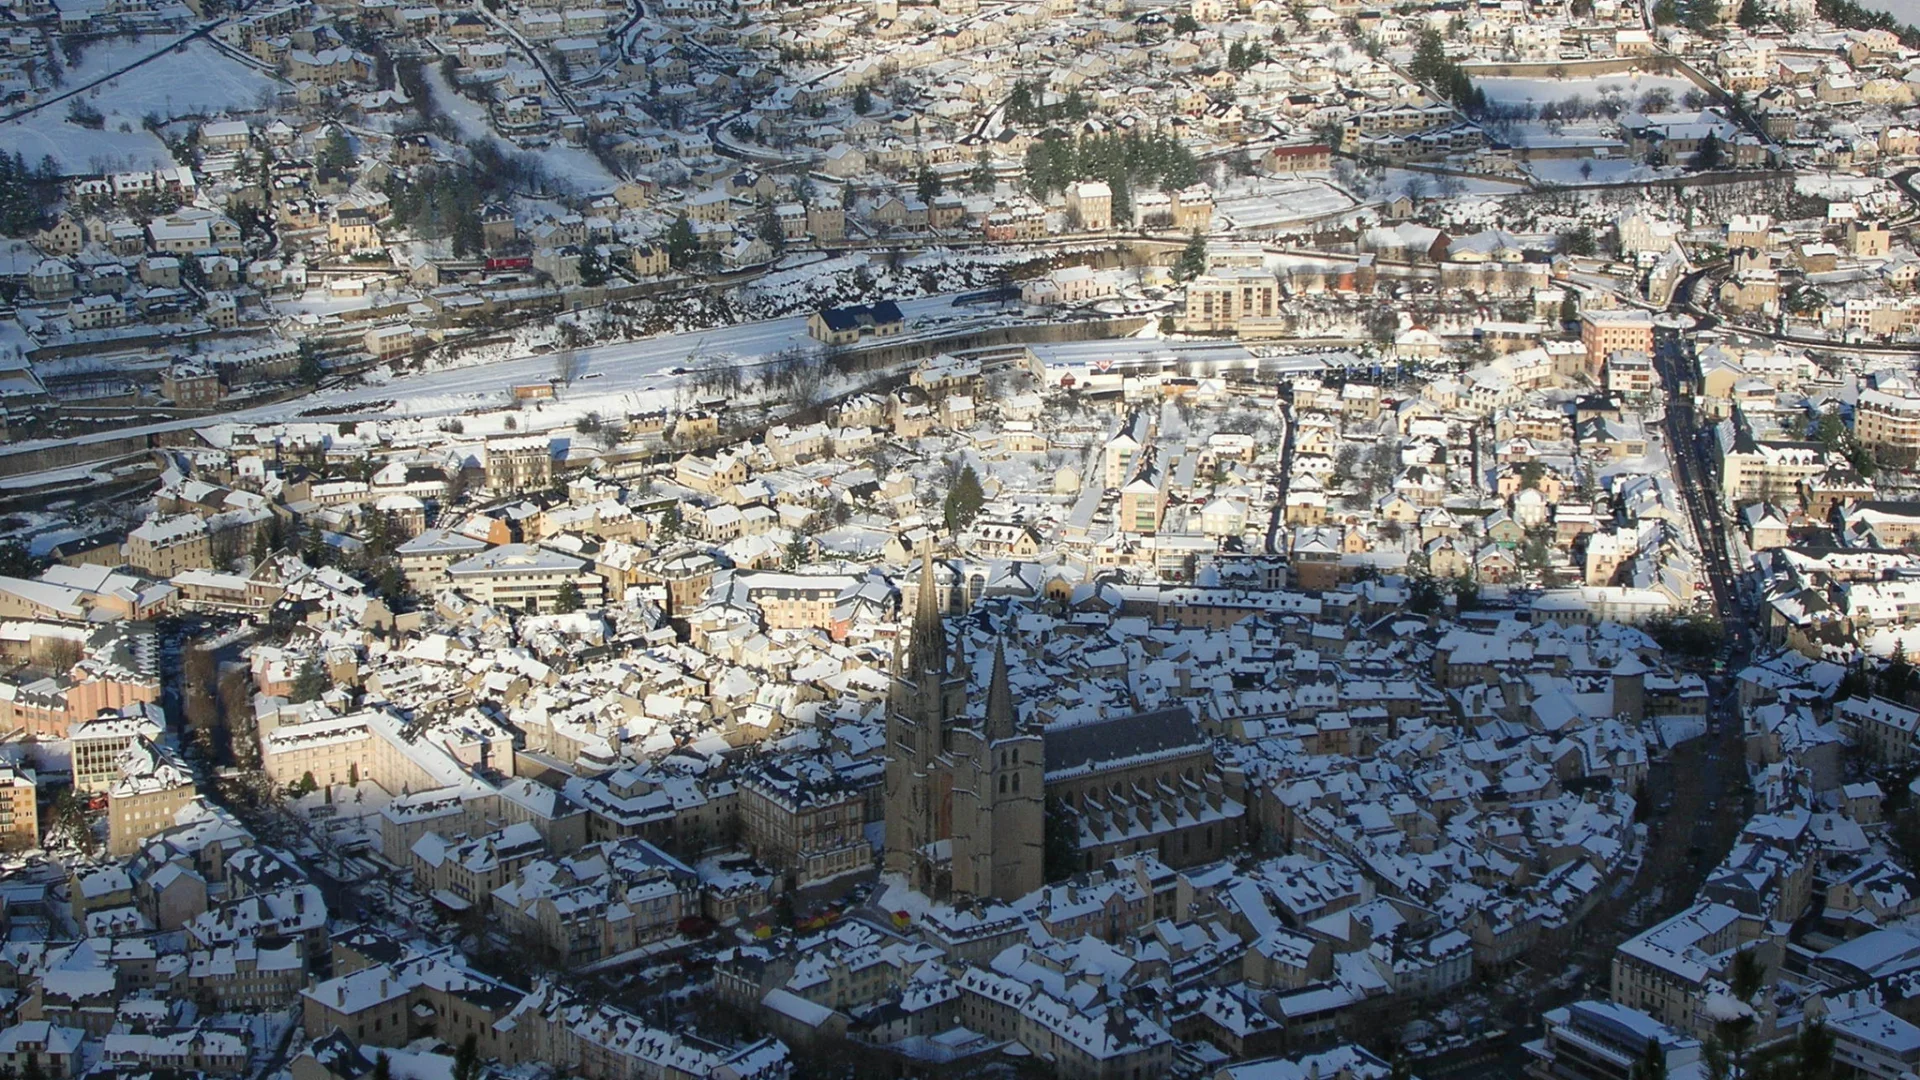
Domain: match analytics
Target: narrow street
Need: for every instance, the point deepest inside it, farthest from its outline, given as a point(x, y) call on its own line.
point(1697, 792)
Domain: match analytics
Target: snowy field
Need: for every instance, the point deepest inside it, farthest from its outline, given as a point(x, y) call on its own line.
point(1839, 186)
point(1394, 181)
point(1603, 171)
point(1539, 134)
point(1270, 205)
point(1503, 90)
point(569, 166)
point(194, 79)
point(78, 150)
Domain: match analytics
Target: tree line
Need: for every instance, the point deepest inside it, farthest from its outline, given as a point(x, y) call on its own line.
point(1123, 161)
point(1432, 67)
point(27, 193)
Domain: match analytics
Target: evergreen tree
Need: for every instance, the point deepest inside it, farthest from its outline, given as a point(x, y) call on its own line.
point(1652, 1064)
point(310, 370)
point(863, 100)
point(1020, 103)
point(568, 599)
point(466, 1063)
point(1193, 259)
point(927, 184)
point(1813, 1052)
point(1710, 153)
point(17, 561)
point(469, 236)
point(1059, 840)
point(1751, 17)
point(1896, 679)
point(1748, 975)
point(593, 269)
point(681, 243)
point(770, 231)
point(336, 154)
point(964, 500)
point(309, 682)
point(981, 179)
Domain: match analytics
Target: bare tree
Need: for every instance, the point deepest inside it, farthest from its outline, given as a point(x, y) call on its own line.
point(236, 710)
point(60, 654)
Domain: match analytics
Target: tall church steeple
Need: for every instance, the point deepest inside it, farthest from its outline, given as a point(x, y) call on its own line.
point(927, 645)
point(1001, 717)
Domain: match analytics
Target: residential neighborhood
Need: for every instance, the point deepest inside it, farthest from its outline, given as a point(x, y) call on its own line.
point(680, 540)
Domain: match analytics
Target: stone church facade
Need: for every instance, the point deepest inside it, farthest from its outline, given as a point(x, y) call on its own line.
point(967, 788)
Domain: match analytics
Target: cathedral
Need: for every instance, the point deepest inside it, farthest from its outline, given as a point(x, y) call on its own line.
point(969, 782)
point(965, 810)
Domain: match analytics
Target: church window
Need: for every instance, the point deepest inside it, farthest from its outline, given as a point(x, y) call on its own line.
point(1003, 783)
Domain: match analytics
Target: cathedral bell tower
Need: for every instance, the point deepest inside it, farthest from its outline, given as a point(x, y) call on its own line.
point(926, 697)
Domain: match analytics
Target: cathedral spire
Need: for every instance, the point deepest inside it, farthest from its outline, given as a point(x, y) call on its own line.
point(927, 647)
point(1000, 713)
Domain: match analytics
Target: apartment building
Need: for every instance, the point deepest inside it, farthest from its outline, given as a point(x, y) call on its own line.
point(1224, 300)
point(98, 743)
point(1884, 729)
point(1754, 469)
point(1610, 331)
point(519, 465)
point(152, 786)
point(425, 558)
point(164, 546)
point(525, 576)
point(1665, 971)
point(1884, 420)
point(19, 808)
point(811, 826)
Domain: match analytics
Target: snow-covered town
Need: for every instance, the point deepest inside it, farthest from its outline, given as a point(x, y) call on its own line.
point(991, 539)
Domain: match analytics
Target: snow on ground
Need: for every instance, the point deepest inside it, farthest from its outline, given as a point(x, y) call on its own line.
point(99, 59)
point(568, 166)
point(1603, 171)
point(1509, 90)
point(1539, 133)
point(1834, 186)
point(1395, 181)
point(1267, 205)
point(79, 151)
point(193, 79)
